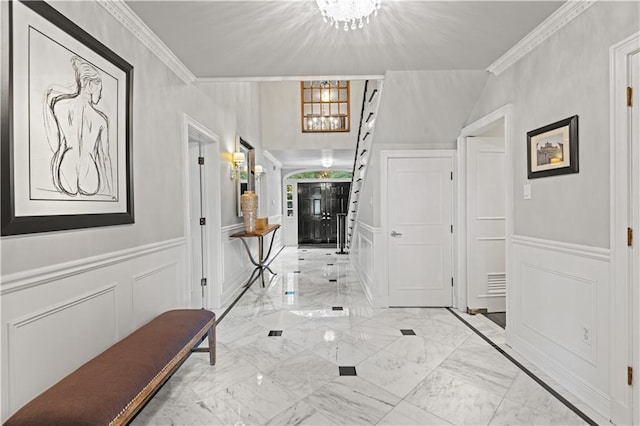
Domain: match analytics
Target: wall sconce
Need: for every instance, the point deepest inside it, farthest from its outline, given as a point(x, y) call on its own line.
point(259, 171)
point(237, 159)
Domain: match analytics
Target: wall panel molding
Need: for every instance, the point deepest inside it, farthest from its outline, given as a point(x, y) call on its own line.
point(559, 317)
point(28, 335)
point(34, 277)
point(595, 253)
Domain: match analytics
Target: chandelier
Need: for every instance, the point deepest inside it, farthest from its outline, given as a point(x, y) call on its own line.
point(351, 14)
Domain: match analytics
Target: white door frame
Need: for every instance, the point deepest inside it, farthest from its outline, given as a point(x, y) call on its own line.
point(624, 336)
point(213, 241)
point(384, 193)
point(474, 129)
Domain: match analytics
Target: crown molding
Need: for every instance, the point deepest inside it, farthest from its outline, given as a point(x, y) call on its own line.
point(271, 158)
point(561, 17)
point(259, 79)
point(127, 17)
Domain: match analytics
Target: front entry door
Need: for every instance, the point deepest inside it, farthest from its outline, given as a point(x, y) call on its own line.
point(420, 220)
point(318, 206)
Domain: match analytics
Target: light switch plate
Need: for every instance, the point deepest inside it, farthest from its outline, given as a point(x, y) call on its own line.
point(526, 191)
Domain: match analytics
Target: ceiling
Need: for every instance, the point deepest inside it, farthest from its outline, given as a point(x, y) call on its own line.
point(341, 159)
point(287, 40)
point(274, 39)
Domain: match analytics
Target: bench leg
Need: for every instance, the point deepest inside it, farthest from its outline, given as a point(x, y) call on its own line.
point(212, 345)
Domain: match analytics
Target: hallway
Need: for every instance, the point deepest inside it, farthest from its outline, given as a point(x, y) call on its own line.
point(320, 320)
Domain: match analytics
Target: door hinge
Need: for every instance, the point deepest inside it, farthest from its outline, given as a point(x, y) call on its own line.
point(201, 160)
point(452, 229)
point(629, 96)
point(451, 175)
point(629, 237)
point(451, 281)
point(203, 221)
point(629, 375)
point(203, 282)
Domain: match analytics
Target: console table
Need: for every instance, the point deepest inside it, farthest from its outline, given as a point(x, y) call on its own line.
point(263, 261)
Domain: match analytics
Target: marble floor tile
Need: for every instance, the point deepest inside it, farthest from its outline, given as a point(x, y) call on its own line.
point(255, 400)
point(300, 414)
point(312, 333)
point(392, 373)
point(352, 401)
point(454, 400)
point(445, 374)
point(511, 413)
point(266, 351)
point(480, 366)
point(423, 351)
point(409, 415)
point(280, 320)
point(303, 373)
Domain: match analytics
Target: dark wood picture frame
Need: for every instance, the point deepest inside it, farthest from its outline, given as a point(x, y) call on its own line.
point(111, 202)
point(553, 149)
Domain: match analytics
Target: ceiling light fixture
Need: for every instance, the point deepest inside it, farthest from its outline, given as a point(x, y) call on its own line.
point(351, 14)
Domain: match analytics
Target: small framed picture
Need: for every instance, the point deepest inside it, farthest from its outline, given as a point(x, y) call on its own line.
point(553, 149)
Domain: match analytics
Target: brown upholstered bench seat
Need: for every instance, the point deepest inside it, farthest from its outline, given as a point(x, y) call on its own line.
point(113, 386)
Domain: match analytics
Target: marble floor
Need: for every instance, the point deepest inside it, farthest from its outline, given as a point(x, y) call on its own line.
point(309, 349)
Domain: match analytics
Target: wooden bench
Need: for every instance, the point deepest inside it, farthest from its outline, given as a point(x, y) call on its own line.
point(112, 387)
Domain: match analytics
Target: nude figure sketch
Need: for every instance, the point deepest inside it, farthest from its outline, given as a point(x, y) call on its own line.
point(78, 134)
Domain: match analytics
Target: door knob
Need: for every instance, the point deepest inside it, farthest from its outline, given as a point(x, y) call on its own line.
point(396, 234)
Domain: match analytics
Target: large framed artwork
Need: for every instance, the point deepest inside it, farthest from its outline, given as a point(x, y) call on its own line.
point(553, 149)
point(66, 105)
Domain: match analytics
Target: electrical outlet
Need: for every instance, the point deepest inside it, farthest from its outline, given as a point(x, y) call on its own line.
point(526, 191)
point(586, 335)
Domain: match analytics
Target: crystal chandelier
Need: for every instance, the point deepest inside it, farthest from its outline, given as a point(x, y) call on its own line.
point(351, 14)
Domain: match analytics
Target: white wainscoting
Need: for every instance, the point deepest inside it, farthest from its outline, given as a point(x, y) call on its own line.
point(366, 257)
point(60, 316)
point(236, 266)
point(558, 315)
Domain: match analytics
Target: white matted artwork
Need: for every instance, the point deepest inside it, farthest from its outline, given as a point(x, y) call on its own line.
point(67, 156)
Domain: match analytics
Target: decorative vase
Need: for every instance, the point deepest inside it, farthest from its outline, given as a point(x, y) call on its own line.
point(249, 206)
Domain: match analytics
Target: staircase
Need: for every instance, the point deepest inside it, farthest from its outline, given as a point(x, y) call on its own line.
point(372, 91)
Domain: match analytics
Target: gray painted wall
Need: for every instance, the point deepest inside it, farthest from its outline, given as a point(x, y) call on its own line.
point(159, 101)
point(418, 110)
point(566, 75)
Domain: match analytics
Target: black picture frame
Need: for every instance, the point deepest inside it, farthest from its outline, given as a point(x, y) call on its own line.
point(109, 199)
point(553, 149)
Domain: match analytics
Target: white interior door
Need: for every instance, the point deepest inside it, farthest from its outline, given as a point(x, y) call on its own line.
point(486, 224)
point(420, 241)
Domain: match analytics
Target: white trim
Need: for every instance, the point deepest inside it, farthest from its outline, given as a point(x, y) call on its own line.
point(369, 228)
point(251, 79)
point(213, 242)
point(589, 252)
point(271, 158)
point(34, 277)
point(561, 17)
point(231, 228)
point(132, 22)
point(624, 304)
point(478, 127)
